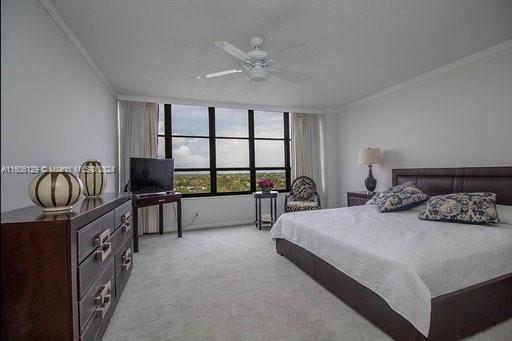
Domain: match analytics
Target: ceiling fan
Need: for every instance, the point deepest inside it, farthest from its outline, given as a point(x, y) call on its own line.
point(256, 64)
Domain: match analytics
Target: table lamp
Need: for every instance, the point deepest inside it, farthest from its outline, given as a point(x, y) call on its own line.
point(368, 157)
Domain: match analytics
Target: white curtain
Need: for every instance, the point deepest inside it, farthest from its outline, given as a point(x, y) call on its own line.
point(306, 149)
point(139, 138)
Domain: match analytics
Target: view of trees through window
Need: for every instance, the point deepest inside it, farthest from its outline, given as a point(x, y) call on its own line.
point(222, 151)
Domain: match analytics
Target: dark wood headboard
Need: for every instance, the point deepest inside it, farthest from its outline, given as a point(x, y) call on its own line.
point(435, 181)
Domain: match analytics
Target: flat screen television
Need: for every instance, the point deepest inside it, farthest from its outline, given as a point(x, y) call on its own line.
point(151, 175)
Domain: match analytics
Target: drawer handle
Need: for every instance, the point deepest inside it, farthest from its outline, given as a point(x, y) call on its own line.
point(104, 251)
point(103, 309)
point(127, 260)
point(126, 227)
point(161, 200)
point(103, 293)
point(102, 238)
point(127, 217)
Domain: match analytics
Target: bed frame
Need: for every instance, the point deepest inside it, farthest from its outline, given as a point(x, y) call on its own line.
point(454, 315)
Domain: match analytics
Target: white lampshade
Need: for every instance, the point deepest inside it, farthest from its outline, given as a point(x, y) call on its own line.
point(369, 156)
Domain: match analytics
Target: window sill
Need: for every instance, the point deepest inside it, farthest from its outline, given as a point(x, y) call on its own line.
point(226, 195)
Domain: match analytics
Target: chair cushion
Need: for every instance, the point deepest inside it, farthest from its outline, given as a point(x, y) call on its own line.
point(466, 208)
point(301, 205)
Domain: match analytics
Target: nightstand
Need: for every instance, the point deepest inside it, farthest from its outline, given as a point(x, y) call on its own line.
point(358, 198)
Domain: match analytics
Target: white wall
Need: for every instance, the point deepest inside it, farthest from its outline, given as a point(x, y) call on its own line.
point(332, 159)
point(462, 117)
point(55, 110)
point(218, 211)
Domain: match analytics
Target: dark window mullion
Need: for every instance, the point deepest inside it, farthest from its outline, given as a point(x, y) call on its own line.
point(252, 159)
point(286, 119)
point(229, 169)
point(192, 169)
point(269, 168)
point(191, 136)
point(168, 130)
point(269, 138)
point(231, 138)
point(213, 150)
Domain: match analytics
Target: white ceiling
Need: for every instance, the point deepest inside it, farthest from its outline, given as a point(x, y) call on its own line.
point(158, 47)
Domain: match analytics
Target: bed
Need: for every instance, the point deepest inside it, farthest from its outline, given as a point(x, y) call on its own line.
point(415, 280)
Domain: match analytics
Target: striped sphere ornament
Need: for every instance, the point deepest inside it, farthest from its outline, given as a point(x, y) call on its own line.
point(93, 177)
point(55, 192)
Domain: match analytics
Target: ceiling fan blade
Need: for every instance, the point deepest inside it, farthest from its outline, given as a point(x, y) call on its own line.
point(294, 48)
point(222, 73)
point(289, 75)
point(232, 50)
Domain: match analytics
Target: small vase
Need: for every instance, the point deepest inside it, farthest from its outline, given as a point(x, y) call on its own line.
point(93, 178)
point(265, 189)
point(55, 192)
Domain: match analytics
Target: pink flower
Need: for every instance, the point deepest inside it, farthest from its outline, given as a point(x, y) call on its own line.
point(265, 182)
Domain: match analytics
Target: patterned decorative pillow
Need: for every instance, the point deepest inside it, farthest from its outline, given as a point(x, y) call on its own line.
point(394, 189)
point(400, 198)
point(466, 208)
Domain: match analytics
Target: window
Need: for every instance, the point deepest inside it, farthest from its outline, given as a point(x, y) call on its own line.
point(219, 151)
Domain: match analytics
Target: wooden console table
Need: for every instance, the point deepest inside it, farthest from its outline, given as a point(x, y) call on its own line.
point(139, 201)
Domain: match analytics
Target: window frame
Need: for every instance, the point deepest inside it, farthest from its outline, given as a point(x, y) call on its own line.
point(213, 169)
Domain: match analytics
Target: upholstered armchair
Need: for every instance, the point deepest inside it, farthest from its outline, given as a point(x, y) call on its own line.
point(303, 196)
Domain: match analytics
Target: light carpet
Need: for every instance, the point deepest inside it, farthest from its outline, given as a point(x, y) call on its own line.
point(230, 284)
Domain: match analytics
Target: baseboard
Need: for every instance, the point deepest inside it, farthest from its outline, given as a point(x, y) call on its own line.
point(204, 226)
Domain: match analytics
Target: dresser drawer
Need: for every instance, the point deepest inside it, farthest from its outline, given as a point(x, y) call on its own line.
point(124, 255)
point(100, 316)
point(93, 265)
point(96, 296)
point(123, 274)
point(125, 231)
point(123, 214)
point(91, 235)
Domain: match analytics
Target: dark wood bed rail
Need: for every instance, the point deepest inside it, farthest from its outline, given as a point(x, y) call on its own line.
point(453, 316)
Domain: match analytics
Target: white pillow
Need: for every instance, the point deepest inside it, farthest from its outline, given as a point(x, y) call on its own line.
point(504, 214)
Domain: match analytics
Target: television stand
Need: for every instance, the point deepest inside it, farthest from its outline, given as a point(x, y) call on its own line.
point(152, 199)
point(151, 194)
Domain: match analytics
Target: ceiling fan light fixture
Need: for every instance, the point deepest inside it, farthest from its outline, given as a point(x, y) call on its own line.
point(257, 74)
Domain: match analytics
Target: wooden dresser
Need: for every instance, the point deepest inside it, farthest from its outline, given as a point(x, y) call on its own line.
point(62, 275)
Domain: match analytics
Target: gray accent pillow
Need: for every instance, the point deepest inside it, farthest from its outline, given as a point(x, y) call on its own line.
point(400, 198)
point(466, 208)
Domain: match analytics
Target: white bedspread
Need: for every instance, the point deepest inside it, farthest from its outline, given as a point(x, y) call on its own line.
point(404, 260)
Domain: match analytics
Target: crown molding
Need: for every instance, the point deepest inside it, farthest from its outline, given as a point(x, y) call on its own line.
point(448, 67)
point(231, 105)
point(49, 7)
point(330, 111)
